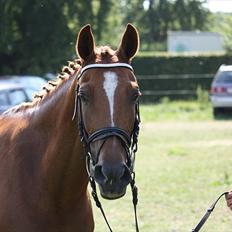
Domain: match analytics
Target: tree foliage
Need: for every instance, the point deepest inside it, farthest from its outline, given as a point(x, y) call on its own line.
point(159, 16)
point(222, 23)
point(33, 34)
point(37, 36)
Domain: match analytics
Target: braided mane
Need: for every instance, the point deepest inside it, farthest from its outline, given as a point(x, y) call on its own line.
point(66, 72)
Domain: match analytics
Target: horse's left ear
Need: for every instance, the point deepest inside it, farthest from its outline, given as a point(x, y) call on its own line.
point(129, 43)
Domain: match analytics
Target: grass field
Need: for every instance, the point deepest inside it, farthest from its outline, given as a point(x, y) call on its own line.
point(184, 162)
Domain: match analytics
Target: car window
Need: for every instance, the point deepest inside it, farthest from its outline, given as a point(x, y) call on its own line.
point(17, 97)
point(34, 83)
point(30, 93)
point(224, 77)
point(3, 99)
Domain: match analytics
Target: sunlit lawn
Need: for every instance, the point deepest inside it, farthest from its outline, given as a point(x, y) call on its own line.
point(183, 164)
point(177, 110)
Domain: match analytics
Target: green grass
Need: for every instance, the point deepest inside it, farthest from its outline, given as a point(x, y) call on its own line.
point(184, 162)
point(177, 110)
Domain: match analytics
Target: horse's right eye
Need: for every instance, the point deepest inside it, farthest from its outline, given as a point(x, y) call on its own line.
point(83, 97)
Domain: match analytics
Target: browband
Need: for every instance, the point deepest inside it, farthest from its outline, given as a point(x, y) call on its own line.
point(111, 65)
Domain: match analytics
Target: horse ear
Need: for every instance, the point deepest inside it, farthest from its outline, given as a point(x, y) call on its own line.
point(130, 43)
point(85, 43)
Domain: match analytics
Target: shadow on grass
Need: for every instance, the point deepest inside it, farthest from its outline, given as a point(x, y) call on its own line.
point(225, 114)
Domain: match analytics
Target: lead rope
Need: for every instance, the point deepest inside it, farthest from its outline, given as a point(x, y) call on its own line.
point(207, 214)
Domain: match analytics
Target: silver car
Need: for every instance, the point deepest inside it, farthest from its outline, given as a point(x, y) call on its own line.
point(221, 90)
point(11, 95)
point(31, 84)
point(17, 89)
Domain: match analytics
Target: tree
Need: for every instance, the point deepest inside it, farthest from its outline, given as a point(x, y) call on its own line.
point(156, 17)
point(190, 15)
point(222, 23)
point(37, 36)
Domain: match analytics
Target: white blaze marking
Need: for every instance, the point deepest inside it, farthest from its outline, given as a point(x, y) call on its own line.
point(110, 85)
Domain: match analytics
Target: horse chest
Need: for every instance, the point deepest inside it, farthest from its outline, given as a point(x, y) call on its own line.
point(22, 219)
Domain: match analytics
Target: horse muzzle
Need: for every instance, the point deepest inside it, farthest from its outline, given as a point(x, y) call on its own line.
point(112, 179)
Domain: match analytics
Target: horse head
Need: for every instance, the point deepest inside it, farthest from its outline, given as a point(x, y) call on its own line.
point(107, 108)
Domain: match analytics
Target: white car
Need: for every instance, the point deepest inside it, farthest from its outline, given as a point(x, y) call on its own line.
point(17, 89)
point(11, 94)
point(31, 84)
point(221, 89)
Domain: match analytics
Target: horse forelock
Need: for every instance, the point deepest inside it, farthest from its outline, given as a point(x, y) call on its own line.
point(105, 54)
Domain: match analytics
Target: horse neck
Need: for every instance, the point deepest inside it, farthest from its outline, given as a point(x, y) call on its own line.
point(62, 162)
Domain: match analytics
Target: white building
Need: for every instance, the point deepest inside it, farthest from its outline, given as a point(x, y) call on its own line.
point(194, 41)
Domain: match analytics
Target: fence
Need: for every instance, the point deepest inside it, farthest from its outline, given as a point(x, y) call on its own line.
point(181, 86)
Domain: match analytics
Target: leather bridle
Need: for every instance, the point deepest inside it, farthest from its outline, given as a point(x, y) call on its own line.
point(129, 142)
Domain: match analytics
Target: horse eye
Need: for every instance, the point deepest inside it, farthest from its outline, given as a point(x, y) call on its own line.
point(136, 96)
point(83, 97)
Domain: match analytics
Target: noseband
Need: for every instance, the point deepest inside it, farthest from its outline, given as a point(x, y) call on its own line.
point(129, 142)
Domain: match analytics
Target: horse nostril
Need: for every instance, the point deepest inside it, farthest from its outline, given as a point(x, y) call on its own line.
point(108, 174)
point(98, 174)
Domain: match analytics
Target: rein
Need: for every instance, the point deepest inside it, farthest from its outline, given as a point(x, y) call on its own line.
point(207, 214)
point(129, 142)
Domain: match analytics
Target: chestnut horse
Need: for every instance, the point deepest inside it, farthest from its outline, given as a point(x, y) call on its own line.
point(43, 174)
